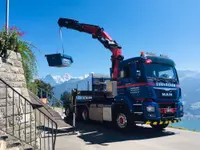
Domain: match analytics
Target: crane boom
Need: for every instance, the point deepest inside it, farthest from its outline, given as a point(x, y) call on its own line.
point(97, 33)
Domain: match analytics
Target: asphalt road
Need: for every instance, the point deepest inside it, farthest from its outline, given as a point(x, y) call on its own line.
point(96, 137)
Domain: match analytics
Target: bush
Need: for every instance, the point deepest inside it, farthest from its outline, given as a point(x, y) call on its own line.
point(12, 41)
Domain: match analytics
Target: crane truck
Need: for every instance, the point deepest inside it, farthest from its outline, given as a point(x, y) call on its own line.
point(141, 90)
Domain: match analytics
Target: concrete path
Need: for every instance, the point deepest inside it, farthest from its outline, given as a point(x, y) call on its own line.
point(96, 137)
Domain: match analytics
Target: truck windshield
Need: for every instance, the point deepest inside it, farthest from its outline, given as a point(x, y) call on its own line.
point(160, 71)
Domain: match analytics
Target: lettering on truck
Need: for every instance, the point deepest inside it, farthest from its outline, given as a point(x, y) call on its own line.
point(165, 84)
point(167, 94)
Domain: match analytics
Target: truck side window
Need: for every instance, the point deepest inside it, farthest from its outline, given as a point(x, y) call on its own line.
point(125, 72)
point(122, 73)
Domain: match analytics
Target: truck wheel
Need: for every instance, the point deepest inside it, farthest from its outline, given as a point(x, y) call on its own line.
point(85, 114)
point(67, 112)
point(122, 121)
point(159, 127)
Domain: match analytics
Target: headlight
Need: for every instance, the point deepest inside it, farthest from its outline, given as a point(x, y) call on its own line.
point(150, 108)
point(181, 108)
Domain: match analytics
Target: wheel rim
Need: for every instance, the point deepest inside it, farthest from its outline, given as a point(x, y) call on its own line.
point(122, 120)
point(67, 112)
point(84, 115)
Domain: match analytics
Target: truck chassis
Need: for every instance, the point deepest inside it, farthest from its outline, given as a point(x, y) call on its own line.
point(104, 109)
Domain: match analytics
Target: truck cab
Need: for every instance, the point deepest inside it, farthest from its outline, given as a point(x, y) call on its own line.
point(149, 85)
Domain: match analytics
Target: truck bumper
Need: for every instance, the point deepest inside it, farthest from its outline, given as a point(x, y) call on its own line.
point(162, 122)
point(157, 116)
point(175, 112)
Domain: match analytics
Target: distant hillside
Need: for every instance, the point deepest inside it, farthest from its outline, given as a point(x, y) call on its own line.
point(190, 84)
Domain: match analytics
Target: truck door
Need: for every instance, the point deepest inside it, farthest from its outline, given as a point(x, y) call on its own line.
point(125, 74)
point(124, 79)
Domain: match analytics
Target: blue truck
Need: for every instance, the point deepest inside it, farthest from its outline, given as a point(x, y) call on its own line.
point(141, 90)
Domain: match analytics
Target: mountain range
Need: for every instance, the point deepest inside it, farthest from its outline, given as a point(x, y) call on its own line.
point(58, 79)
point(189, 82)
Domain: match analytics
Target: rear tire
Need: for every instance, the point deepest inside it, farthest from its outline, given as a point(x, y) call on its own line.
point(67, 112)
point(159, 127)
point(84, 114)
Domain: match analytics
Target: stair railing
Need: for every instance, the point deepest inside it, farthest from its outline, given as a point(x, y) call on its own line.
point(52, 101)
point(23, 120)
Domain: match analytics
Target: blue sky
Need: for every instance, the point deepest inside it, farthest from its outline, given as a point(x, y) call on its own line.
point(171, 27)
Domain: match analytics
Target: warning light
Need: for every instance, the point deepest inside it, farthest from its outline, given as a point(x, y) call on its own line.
point(148, 61)
point(142, 54)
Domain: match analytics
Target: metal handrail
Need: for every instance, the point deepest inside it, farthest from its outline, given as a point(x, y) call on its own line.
point(55, 100)
point(47, 93)
point(24, 120)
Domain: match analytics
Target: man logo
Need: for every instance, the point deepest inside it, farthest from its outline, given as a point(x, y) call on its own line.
point(169, 109)
point(166, 94)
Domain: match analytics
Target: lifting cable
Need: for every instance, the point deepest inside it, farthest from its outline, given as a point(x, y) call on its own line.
point(37, 49)
point(61, 39)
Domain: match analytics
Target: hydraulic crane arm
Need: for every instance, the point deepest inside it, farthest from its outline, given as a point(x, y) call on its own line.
point(97, 33)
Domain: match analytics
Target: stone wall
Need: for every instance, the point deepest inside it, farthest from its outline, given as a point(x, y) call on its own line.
point(12, 106)
point(12, 72)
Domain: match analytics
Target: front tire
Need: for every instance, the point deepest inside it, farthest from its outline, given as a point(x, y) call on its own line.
point(122, 121)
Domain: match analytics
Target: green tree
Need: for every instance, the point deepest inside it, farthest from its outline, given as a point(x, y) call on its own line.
point(66, 96)
point(45, 88)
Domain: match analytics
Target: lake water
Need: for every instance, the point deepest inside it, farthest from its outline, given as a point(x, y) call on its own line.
point(192, 124)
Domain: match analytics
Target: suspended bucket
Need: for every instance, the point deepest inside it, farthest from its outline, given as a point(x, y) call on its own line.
point(59, 60)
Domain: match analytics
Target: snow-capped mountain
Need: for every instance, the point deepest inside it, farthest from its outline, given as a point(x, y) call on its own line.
point(58, 79)
point(62, 79)
point(49, 79)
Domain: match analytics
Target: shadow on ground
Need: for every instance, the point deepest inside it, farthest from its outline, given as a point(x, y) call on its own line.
point(95, 133)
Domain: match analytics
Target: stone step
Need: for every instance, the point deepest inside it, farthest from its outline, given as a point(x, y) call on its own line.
point(10, 143)
point(13, 143)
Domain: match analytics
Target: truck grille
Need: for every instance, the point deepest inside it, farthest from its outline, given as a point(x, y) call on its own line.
point(167, 110)
point(166, 105)
point(163, 94)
